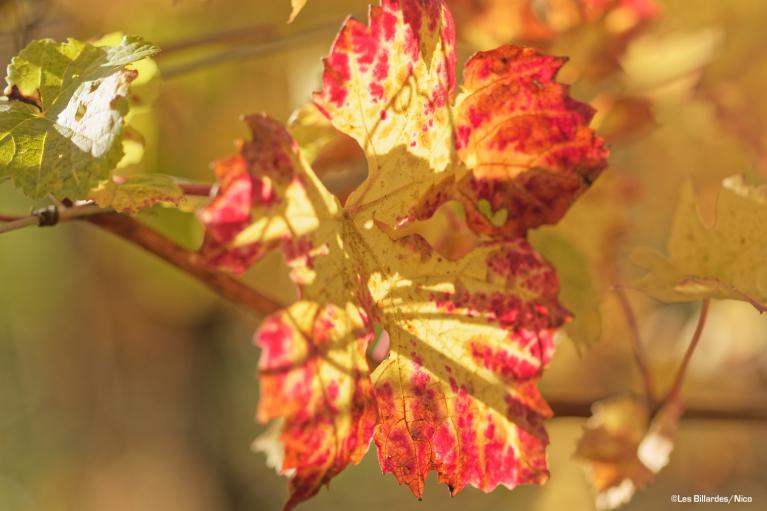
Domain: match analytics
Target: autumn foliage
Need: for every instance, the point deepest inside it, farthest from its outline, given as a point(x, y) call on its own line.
point(469, 337)
point(427, 296)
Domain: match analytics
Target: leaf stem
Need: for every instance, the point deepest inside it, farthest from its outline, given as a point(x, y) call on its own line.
point(195, 189)
point(676, 387)
point(636, 344)
point(190, 262)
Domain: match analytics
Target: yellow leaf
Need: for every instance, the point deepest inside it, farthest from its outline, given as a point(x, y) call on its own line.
point(726, 260)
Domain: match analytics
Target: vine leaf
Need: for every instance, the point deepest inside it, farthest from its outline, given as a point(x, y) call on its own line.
point(515, 149)
point(527, 143)
point(62, 118)
point(133, 193)
point(624, 447)
point(314, 373)
point(469, 333)
point(726, 260)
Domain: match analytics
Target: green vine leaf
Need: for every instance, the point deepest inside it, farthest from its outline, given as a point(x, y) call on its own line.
point(62, 116)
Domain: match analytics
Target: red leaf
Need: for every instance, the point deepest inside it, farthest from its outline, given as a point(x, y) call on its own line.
point(527, 141)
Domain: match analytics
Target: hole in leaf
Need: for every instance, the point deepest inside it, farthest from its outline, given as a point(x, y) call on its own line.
point(379, 349)
point(446, 231)
point(82, 108)
point(335, 157)
point(496, 218)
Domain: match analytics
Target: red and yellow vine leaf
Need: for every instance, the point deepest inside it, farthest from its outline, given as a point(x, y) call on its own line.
point(314, 373)
point(457, 394)
point(473, 335)
point(524, 148)
point(388, 86)
point(469, 334)
point(313, 368)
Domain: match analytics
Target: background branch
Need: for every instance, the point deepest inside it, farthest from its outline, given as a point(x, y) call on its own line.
point(249, 51)
point(236, 36)
point(728, 412)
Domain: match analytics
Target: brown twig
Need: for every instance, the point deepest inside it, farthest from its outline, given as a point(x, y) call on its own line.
point(636, 344)
point(676, 387)
point(224, 284)
point(740, 412)
point(48, 217)
point(249, 51)
point(236, 36)
point(10, 223)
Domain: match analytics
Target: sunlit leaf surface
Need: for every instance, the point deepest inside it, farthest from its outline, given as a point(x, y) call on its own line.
point(470, 324)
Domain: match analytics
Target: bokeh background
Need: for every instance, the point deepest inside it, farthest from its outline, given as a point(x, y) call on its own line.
point(124, 385)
